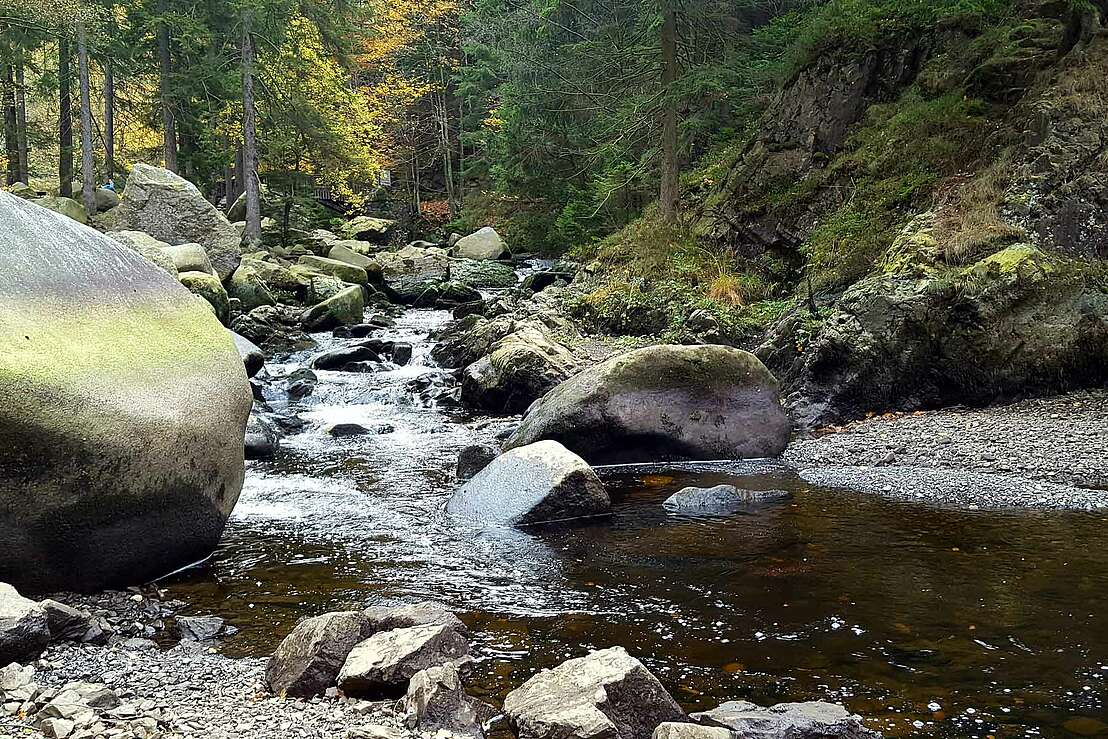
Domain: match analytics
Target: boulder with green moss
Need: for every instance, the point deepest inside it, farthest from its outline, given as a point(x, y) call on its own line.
point(170, 208)
point(1018, 322)
point(125, 404)
point(483, 273)
point(519, 369)
point(189, 258)
point(208, 287)
point(345, 308)
point(664, 403)
point(68, 207)
point(343, 271)
point(367, 228)
point(248, 286)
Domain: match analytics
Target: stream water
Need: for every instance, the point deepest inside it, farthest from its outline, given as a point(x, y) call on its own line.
point(929, 621)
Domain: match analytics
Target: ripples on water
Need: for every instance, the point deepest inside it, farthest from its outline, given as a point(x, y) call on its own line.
point(934, 622)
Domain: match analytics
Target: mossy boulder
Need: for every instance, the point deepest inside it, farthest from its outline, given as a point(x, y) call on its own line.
point(341, 252)
point(346, 308)
point(147, 246)
point(68, 207)
point(170, 208)
point(248, 286)
point(343, 271)
point(284, 284)
point(519, 369)
point(483, 273)
point(125, 404)
point(1018, 322)
point(189, 258)
point(367, 228)
point(208, 287)
point(664, 403)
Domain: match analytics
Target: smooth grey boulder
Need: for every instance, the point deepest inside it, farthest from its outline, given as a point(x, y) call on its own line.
point(343, 253)
point(368, 228)
point(141, 481)
point(308, 660)
point(437, 701)
point(720, 499)
point(199, 628)
point(386, 661)
point(253, 359)
point(387, 618)
point(189, 258)
point(336, 359)
point(261, 440)
point(24, 627)
point(484, 243)
point(809, 720)
point(171, 209)
point(605, 695)
point(538, 483)
point(674, 730)
point(105, 199)
point(664, 403)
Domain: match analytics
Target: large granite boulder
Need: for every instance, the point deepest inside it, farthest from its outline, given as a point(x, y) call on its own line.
point(664, 403)
point(124, 409)
point(24, 626)
point(483, 274)
point(538, 483)
point(809, 720)
point(207, 286)
point(249, 287)
point(519, 369)
point(170, 208)
point(482, 244)
point(147, 246)
point(604, 695)
point(189, 258)
point(335, 268)
point(385, 662)
point(368, 228)
point(345, 308)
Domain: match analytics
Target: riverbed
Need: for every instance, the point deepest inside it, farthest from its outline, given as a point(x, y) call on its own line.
point(928, 620)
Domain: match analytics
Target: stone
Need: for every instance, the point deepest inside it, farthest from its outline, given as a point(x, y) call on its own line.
point(189, 258)
point(334, 268)
point(374, 731)
point(367, 228)
point(147, 246)
point(253, 359)
point(482, 273)
point(208, 287)
point(809, 720)
point(171, 209)
point(199, 628)
point(273, 328)
point(605, 695)
point(249, 288)
point(66, 623)
point(336, 359)
point(65, 206)
point(56, 728)
point(538, 483)
point(664, 403)
point(520, 368)
point(105, 199)
point(385, 662)
point(341, 430)
point(282, 283)
point(24, 626)
point(172, 400)
point(437, 701)
point(300, 383)
point(482, 244)
point(720, 499)
point(675, 730)
point(308, 660)
point(401, 353)
point(261, 440)
point(344, 309)
point(387, 618)
point(342, 253)
point(474, 458)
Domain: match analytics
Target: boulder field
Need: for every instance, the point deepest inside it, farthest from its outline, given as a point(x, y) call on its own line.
point(123, 414)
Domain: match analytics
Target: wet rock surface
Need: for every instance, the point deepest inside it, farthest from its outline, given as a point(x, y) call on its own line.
point(809, 720)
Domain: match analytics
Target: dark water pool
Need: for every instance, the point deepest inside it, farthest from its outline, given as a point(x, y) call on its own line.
point(932, 622)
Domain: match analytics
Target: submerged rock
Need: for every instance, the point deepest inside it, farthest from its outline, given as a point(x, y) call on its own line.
point(664, 403)
point(538, 483)
point(809, 720)
point(24, 627)
point(474, 458)
point(170, 208)
point(386, 661)
point(720, 500)
point(605, 695)
point(140, 482)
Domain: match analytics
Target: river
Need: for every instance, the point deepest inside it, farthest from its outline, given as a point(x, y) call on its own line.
point(929, 621)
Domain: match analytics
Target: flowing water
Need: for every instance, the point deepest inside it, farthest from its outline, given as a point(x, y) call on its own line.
point(930, 621)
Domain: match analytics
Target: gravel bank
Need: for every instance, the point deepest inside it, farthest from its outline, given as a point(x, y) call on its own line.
point(1047, 453)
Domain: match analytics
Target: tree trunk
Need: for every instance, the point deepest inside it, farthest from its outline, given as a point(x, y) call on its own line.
point(670, 173)
point(447, 150)
point(169, 118)
point(11, 134)
point(21, 120)
point(253, 233)
point(65, 121)
point(238, 189)
point(109, 119)
point(88, 182)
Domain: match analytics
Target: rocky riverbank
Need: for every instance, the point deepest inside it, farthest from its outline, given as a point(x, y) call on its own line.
point(1043, 452)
